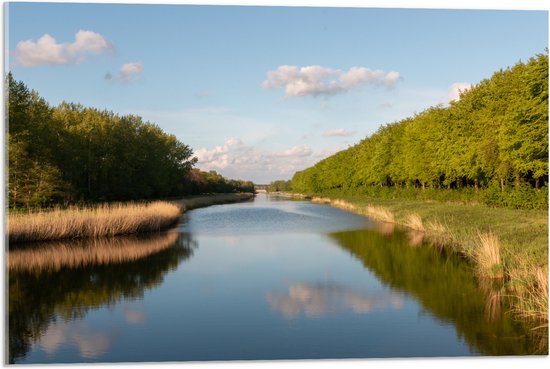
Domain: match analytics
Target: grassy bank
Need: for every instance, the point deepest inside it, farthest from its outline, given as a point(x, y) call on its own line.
point(106, 220)
point(505, 244)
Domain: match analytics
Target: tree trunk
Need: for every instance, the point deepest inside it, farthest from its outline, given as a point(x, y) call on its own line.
point(476, 184)
point(517, 182)
point(502, 185)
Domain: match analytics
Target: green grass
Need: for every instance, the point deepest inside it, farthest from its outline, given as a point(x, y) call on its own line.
point(523, 234)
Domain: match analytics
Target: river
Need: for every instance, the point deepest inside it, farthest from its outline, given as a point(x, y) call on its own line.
point(272, 278)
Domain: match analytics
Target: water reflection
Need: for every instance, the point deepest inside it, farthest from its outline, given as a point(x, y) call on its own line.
point(445, 285)
point(318, 299)
point(91, 342)
point(47, 291)
point(133, 316)
point(261, 294)
point(75, 253)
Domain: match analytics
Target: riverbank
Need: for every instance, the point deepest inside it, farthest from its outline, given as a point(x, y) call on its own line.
point(194, 202)
point(502, 244)
point(107, 219)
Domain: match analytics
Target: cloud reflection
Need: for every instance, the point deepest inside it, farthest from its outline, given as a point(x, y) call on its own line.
point(133, 316)
point(322, 298)
point(91, 343)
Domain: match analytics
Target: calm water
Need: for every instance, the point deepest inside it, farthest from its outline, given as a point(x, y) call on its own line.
point(269, 279)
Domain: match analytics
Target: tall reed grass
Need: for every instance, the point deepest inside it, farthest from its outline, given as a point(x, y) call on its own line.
point(380, 213)
point(487, 256)
point(414, 221)
point(530, 289)
point(98, 221)
point(54, 255)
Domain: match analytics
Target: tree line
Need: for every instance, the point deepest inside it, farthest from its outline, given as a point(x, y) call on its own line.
point(198, 182)
point(494, 139)
point(279, 186)
point(70, 153)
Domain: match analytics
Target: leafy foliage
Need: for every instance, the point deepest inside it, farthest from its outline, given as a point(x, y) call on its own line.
point(494, 137)
point(199, 182)
point(71, 153)
point(279, 186)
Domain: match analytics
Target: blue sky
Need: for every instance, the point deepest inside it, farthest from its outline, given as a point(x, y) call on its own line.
point(260, 92)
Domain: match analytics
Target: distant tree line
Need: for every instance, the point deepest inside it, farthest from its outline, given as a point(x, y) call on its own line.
point(494, 138)
point(198, 182)
point(71, 153)
point(279, 186)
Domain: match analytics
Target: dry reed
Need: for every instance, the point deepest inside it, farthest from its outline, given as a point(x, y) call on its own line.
point(341, 204)
point(380, 213)
point(54, 255)
point(320, 200)
point(530, 293)
point(414, 221)
point(99, 221)
point(487, 256)
point(437, 227)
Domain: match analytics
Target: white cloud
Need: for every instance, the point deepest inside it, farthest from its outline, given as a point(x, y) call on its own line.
point(239, 161)
point(130, 71)
point(47, 51)
point(296, 151)
point(219, 156)
point(316, 80)
point(338, 132)
point(456, 89)
point(233, 141)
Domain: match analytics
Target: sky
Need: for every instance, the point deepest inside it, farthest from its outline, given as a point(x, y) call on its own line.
point(260, 92)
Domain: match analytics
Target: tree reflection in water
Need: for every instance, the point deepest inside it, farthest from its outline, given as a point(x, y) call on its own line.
point(83, 277)
point(446, 286)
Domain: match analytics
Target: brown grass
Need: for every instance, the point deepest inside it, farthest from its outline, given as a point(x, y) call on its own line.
point(99, 221)
point(530, 292)
point(487, 256)
point(437, 227)
point(320, 200)
point(341, 204)
point(54, 255)
point(377, 213)
point(380, 213)
point(414, 221)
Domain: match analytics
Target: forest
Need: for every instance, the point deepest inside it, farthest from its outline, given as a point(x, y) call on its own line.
point(490, 146)
point(70, 154)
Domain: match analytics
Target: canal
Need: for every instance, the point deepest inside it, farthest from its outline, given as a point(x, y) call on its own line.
point(273, 278)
